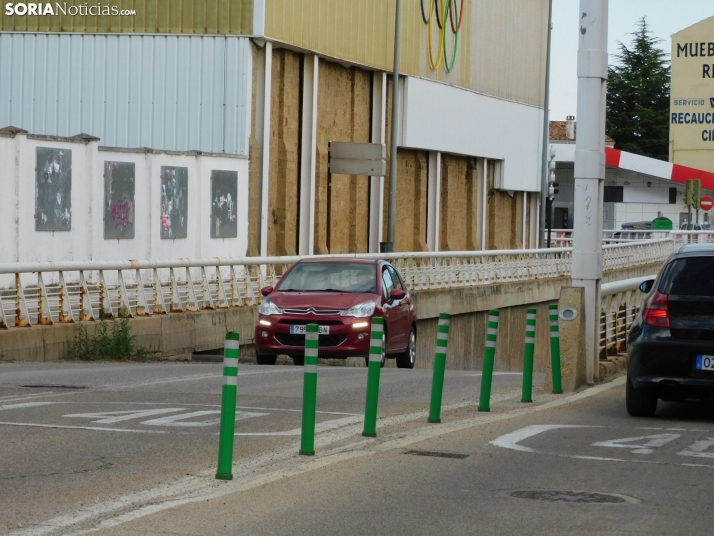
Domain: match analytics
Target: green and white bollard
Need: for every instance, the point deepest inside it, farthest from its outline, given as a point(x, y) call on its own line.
point(437, 383)
point(489, 359)
point(228, 406)
point(528, 353)
point(555, 350)
point(373, 373)
point(309, 391)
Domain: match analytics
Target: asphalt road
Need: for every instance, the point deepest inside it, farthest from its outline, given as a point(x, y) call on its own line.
point(83, 443)
point(573, 466)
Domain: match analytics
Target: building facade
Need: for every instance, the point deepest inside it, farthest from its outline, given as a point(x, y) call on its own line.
point(260, 89)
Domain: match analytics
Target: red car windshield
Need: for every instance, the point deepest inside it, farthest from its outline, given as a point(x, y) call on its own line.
point(330, 277)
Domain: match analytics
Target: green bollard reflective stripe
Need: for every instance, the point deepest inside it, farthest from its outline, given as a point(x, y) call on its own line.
point(309, 391)
point(373, 373)
point(489, 358)
point(528, 354)
point(228, 406)
point(555, 350)
point(437, 382)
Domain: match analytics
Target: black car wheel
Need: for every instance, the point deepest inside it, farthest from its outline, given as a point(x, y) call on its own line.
point(408, 358)
point(298, 360)
point(262, 359)
point(639, 402)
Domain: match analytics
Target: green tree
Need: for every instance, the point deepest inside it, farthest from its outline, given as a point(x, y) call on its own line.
point(638, 96)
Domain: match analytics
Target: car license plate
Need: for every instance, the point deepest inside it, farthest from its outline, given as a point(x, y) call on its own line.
point(705, 362)
point(300, 330)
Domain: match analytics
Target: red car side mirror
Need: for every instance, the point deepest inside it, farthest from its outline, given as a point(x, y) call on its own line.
point(397, 294)
point(265, 291)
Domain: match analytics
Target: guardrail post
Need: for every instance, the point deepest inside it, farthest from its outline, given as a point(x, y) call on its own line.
point(528, 352)
point(228, 406)
point(437, 383)
point(309, 391)
point(375, 367)
point(489, 358)
point(555, 349)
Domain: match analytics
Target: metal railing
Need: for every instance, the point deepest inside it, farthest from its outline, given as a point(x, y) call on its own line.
point(620, 304)
point(46, 292)
point(564, 237)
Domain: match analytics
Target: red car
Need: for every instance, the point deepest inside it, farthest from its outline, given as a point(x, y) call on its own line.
point(341, 296)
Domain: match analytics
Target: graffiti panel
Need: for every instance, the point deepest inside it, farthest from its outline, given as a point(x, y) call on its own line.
point(174, 201)
point(119, 200)
point(224, 190)
point(53, 189)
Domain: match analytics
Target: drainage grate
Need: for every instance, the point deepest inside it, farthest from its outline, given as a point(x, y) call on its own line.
point(569, 496)
point(50, 386)
point(437, 454)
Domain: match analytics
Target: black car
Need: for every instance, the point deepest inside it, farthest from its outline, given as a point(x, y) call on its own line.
point(671, 342)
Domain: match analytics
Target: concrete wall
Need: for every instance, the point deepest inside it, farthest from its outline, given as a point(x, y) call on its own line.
point(460, 228)
point(341, 201)
point(85, 239)
point(284, 150)
point(505, 220)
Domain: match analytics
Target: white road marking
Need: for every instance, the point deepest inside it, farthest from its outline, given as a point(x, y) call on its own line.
point(180, 420)
point(27, 405)
point(510, 441)
point(176, 379)
point(699, 449)
point(11, 398)
point(320, 427)
point(33, 425)
point(655, 441)
point(110, 417)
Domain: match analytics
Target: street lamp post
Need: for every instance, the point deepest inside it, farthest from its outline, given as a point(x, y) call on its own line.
point(590, 170)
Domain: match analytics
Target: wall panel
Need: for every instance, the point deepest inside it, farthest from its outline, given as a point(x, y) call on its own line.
point(151, 16)
point(501, 50)
point(165, 92)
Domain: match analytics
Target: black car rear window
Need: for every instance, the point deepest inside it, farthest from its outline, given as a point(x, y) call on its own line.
point(690, 276)
point(330, 276)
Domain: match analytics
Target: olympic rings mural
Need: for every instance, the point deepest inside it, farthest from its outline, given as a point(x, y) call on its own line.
point(442, 10)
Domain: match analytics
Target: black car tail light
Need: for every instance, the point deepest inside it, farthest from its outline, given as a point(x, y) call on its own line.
point(656, 310)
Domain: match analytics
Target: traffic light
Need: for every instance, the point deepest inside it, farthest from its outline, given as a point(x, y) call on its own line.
point(689, 193)
point(697, 193)
point(551, 175)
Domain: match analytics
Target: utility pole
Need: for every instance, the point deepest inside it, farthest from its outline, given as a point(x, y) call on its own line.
point(590, 170)
point(546, 136)
point(392, 215)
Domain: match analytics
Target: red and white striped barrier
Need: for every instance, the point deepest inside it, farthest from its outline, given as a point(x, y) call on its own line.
point(657, 168)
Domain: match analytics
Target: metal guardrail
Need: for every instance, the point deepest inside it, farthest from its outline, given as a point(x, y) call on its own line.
point(564, 237)
point(69, 291)
point(620, 304)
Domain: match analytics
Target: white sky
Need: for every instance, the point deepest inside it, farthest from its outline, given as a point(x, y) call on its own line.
point(664, 17)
